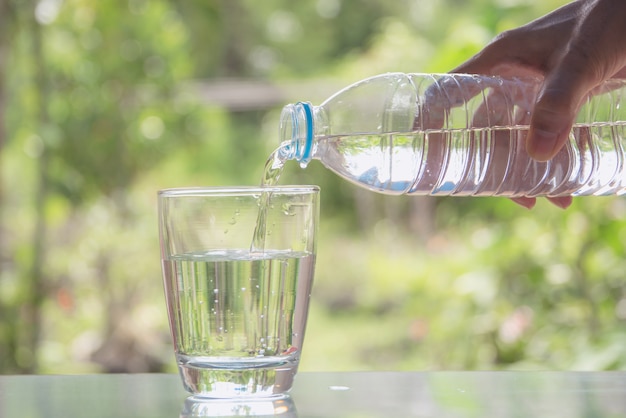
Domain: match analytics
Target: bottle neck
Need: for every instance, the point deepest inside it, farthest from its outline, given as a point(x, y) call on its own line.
point(296, 132)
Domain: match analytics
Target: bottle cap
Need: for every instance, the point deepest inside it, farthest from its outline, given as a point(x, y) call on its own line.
point(296, 131)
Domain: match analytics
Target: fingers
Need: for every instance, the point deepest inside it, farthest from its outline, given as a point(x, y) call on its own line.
point(529, 202)
point(562, 202)
point(441, 95)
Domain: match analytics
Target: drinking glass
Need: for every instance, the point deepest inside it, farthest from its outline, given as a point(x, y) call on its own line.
point(238, 267)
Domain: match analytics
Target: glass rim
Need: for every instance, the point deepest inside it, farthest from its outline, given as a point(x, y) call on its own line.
point(237, 190)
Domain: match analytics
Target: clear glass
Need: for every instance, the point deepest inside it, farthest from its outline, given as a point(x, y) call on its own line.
point(238, 267)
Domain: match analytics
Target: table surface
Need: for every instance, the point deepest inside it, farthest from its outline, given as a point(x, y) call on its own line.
point(345, 395)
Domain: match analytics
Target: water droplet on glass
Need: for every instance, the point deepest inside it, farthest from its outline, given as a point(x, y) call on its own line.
point(287, 209)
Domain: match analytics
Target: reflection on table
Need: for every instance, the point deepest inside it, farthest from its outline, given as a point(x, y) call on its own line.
point(282, 406)
point(358, 395)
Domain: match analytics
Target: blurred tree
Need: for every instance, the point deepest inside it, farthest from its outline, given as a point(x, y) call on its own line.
point(101, 92)
point(7, 18)
point(7, 28)
point(35, 290)
point(99, 110)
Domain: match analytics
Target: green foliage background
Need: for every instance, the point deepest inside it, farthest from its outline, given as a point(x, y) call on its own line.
point(103, 103)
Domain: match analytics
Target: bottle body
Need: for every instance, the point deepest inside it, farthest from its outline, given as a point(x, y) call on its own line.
point(457, 134)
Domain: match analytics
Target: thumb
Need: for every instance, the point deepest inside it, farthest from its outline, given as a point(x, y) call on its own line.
point(594, 53)
point(555, 111)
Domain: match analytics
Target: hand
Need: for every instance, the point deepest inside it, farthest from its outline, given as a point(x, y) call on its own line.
point(573, 49)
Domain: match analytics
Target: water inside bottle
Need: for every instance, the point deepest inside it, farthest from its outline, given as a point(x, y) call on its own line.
point(489, 161)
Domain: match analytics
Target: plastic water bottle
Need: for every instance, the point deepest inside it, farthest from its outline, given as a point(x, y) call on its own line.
point(457, 134)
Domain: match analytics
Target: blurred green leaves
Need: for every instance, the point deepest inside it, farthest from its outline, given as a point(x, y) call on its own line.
point(401, 283)
point(528, 290)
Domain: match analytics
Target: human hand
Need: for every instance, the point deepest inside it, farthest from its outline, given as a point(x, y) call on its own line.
point(574, 49)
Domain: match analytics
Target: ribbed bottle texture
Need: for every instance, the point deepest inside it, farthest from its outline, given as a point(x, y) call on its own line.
point(457, 134)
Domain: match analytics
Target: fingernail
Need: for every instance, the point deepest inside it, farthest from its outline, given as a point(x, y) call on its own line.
point(542, 143)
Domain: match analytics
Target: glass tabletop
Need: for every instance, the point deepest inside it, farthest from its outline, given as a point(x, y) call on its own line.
point(345, 395)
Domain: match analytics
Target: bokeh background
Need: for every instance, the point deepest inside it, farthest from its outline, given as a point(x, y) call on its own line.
point(103, 102)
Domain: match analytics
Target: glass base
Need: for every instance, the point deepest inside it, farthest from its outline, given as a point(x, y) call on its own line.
point(254, 382)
